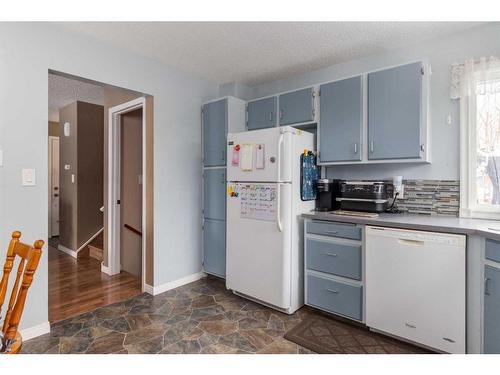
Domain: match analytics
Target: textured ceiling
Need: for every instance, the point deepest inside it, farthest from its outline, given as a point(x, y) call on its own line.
point(256, 52)
point(64, 91)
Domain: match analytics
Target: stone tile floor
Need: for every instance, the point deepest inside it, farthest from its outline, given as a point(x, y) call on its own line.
point(201, 317)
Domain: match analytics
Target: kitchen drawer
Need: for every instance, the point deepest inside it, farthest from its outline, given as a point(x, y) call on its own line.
point(334, 296)
point(335, 258)
point(334, 229)
point(493, 250)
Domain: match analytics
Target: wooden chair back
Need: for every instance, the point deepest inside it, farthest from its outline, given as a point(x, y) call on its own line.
point(29, 259)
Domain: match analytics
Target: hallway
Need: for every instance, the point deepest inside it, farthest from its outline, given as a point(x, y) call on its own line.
point(78, 286)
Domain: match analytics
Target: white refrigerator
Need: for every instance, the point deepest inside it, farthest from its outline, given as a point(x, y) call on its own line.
point(264, 227)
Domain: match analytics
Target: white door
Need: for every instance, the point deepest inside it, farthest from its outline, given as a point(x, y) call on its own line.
point(258, 262)
point(415, 286)
point(54, 186)
point(269, 154)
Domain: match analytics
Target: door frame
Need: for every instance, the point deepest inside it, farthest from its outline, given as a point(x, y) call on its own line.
point(114, 186)
point(52, 138)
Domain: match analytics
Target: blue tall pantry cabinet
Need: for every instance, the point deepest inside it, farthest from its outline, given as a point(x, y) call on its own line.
point(219, 117)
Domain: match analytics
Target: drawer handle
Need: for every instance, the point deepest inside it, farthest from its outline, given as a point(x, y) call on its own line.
point(410, 325)
point(331, 231)
point(332, 291)
point(331, 254)
point(448, 339)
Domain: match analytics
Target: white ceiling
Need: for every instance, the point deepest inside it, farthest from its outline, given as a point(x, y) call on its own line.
point(256, 52)
point(64, 91)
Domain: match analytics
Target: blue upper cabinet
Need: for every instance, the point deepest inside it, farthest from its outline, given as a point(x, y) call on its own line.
point(395, 113)
point(214, 193)
point(261, 113)
point(296, 107)
point(491, 310)
point(341, 105)
point(214, 119)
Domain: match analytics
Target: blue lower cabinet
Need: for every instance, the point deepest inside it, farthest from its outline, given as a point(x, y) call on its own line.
point(214, 247)
point(335, 258)
point(334, 296)
point(491, 310)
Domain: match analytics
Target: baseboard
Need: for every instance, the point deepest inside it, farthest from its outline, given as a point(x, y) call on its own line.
point(70, 252)
point(176, 283)
point(90, 240)
point(35, 331)
point(149, 289)
point(106, 269)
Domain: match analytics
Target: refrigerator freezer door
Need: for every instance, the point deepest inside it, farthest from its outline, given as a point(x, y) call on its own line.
point(259, 251)
point(275, 150)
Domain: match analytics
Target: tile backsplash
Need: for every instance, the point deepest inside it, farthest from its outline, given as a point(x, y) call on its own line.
point(430, 197)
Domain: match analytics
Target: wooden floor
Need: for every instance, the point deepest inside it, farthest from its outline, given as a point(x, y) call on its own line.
point(78, 286)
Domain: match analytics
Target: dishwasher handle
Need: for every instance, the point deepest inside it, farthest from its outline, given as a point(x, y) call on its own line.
point(405, 241)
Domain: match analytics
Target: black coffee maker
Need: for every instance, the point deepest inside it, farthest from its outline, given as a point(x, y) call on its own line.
point(327, 192)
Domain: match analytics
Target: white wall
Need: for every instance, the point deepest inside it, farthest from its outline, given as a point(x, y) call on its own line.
point(27, 52)
point(481, 41)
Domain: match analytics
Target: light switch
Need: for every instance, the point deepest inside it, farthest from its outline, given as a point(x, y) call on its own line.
point(72, 178)
point(28, 176)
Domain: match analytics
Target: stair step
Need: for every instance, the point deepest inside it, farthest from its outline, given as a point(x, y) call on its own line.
point(95, 252)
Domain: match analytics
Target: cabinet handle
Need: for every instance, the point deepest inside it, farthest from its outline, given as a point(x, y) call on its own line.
point(372, 146)
point(331, 231)
point(486, 289)
point(356, 148)
point(223, 179)
point(331, 254)
point(270, 116)
point(448, 339)
point(281, 114)
point(331, 290)
point(410, 325)
point(222, 155)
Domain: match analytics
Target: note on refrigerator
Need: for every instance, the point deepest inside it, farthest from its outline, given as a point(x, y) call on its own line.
point(246, 157)
point(258, 201)
point(260, 156)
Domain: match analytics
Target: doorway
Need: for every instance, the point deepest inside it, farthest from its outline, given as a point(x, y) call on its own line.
point(127, 189)
point(77, 186)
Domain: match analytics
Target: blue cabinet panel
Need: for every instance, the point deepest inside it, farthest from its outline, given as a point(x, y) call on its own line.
point(214, 247)
point(491, 310)
point(341, 106)
point(334, 258)
point(324, 228)
point(261, 113)
point(394, 113)
point(214, 133)
point(296, 107)
point(335, 296)
point(214, 194)
point(493, 250)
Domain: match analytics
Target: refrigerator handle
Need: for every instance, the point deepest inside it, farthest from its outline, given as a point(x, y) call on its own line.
point(280, 143)
point(278, 208)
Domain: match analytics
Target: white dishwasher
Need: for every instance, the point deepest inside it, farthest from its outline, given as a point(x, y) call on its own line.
point(415, 286)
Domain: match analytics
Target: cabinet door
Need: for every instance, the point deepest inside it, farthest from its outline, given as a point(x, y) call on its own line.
point(261, 113)
point(296, 107)
point(491, 310)
point(341, 106)
point(214, 133)
point(214, 194)
point(394, 112)
point(214, 247)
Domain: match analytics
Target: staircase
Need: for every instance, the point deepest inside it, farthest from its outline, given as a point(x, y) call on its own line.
point(95, 247)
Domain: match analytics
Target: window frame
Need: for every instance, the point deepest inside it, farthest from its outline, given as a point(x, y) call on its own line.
point(468, 163)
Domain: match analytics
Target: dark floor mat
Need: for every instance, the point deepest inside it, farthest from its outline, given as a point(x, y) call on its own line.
point(331, 336)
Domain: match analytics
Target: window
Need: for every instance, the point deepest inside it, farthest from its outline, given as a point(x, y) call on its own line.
point(480, 139)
